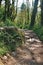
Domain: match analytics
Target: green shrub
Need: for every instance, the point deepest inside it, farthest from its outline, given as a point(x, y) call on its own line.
point(1, 13)
point(3, 48)
point(8, 22)
point(2, 24)
point(10, 39)
point(39, 31)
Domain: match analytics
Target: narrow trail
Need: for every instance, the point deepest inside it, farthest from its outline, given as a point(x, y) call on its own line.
point(30, 53)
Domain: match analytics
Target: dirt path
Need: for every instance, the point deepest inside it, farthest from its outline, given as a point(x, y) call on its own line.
point(30, 53)
point(1, 62)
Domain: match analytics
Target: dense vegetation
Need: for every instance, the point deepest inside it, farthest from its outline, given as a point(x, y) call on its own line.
point(10, 38)
point(25, 18)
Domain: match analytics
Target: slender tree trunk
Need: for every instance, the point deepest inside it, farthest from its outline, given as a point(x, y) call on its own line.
point(0, 3)
point(34, 13)
point(16, 7)
point(13, 10)
point(8, 11)
point(5, 14)
point(13, 2)
point(28, 10)
point(41, 12)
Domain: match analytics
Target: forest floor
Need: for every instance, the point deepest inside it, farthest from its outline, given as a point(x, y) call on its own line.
point(30, 53)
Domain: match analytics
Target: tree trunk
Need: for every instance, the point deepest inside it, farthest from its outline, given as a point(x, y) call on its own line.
point(27, 10)
point(16, 6)
point(5, 15)
point(13, 10)
point(0, 3)
point(8, 11)
point(41, 12)
point(34, 14)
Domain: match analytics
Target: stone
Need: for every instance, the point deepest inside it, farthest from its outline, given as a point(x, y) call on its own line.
point(14, 53)
point(4, 58)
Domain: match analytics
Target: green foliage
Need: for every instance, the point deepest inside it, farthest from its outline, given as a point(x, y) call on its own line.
point(2, 24)
point(1, 13)
point(39, 31)
point(3, 48)
point(21, 20)
point(8, 22)
point(10, 39)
